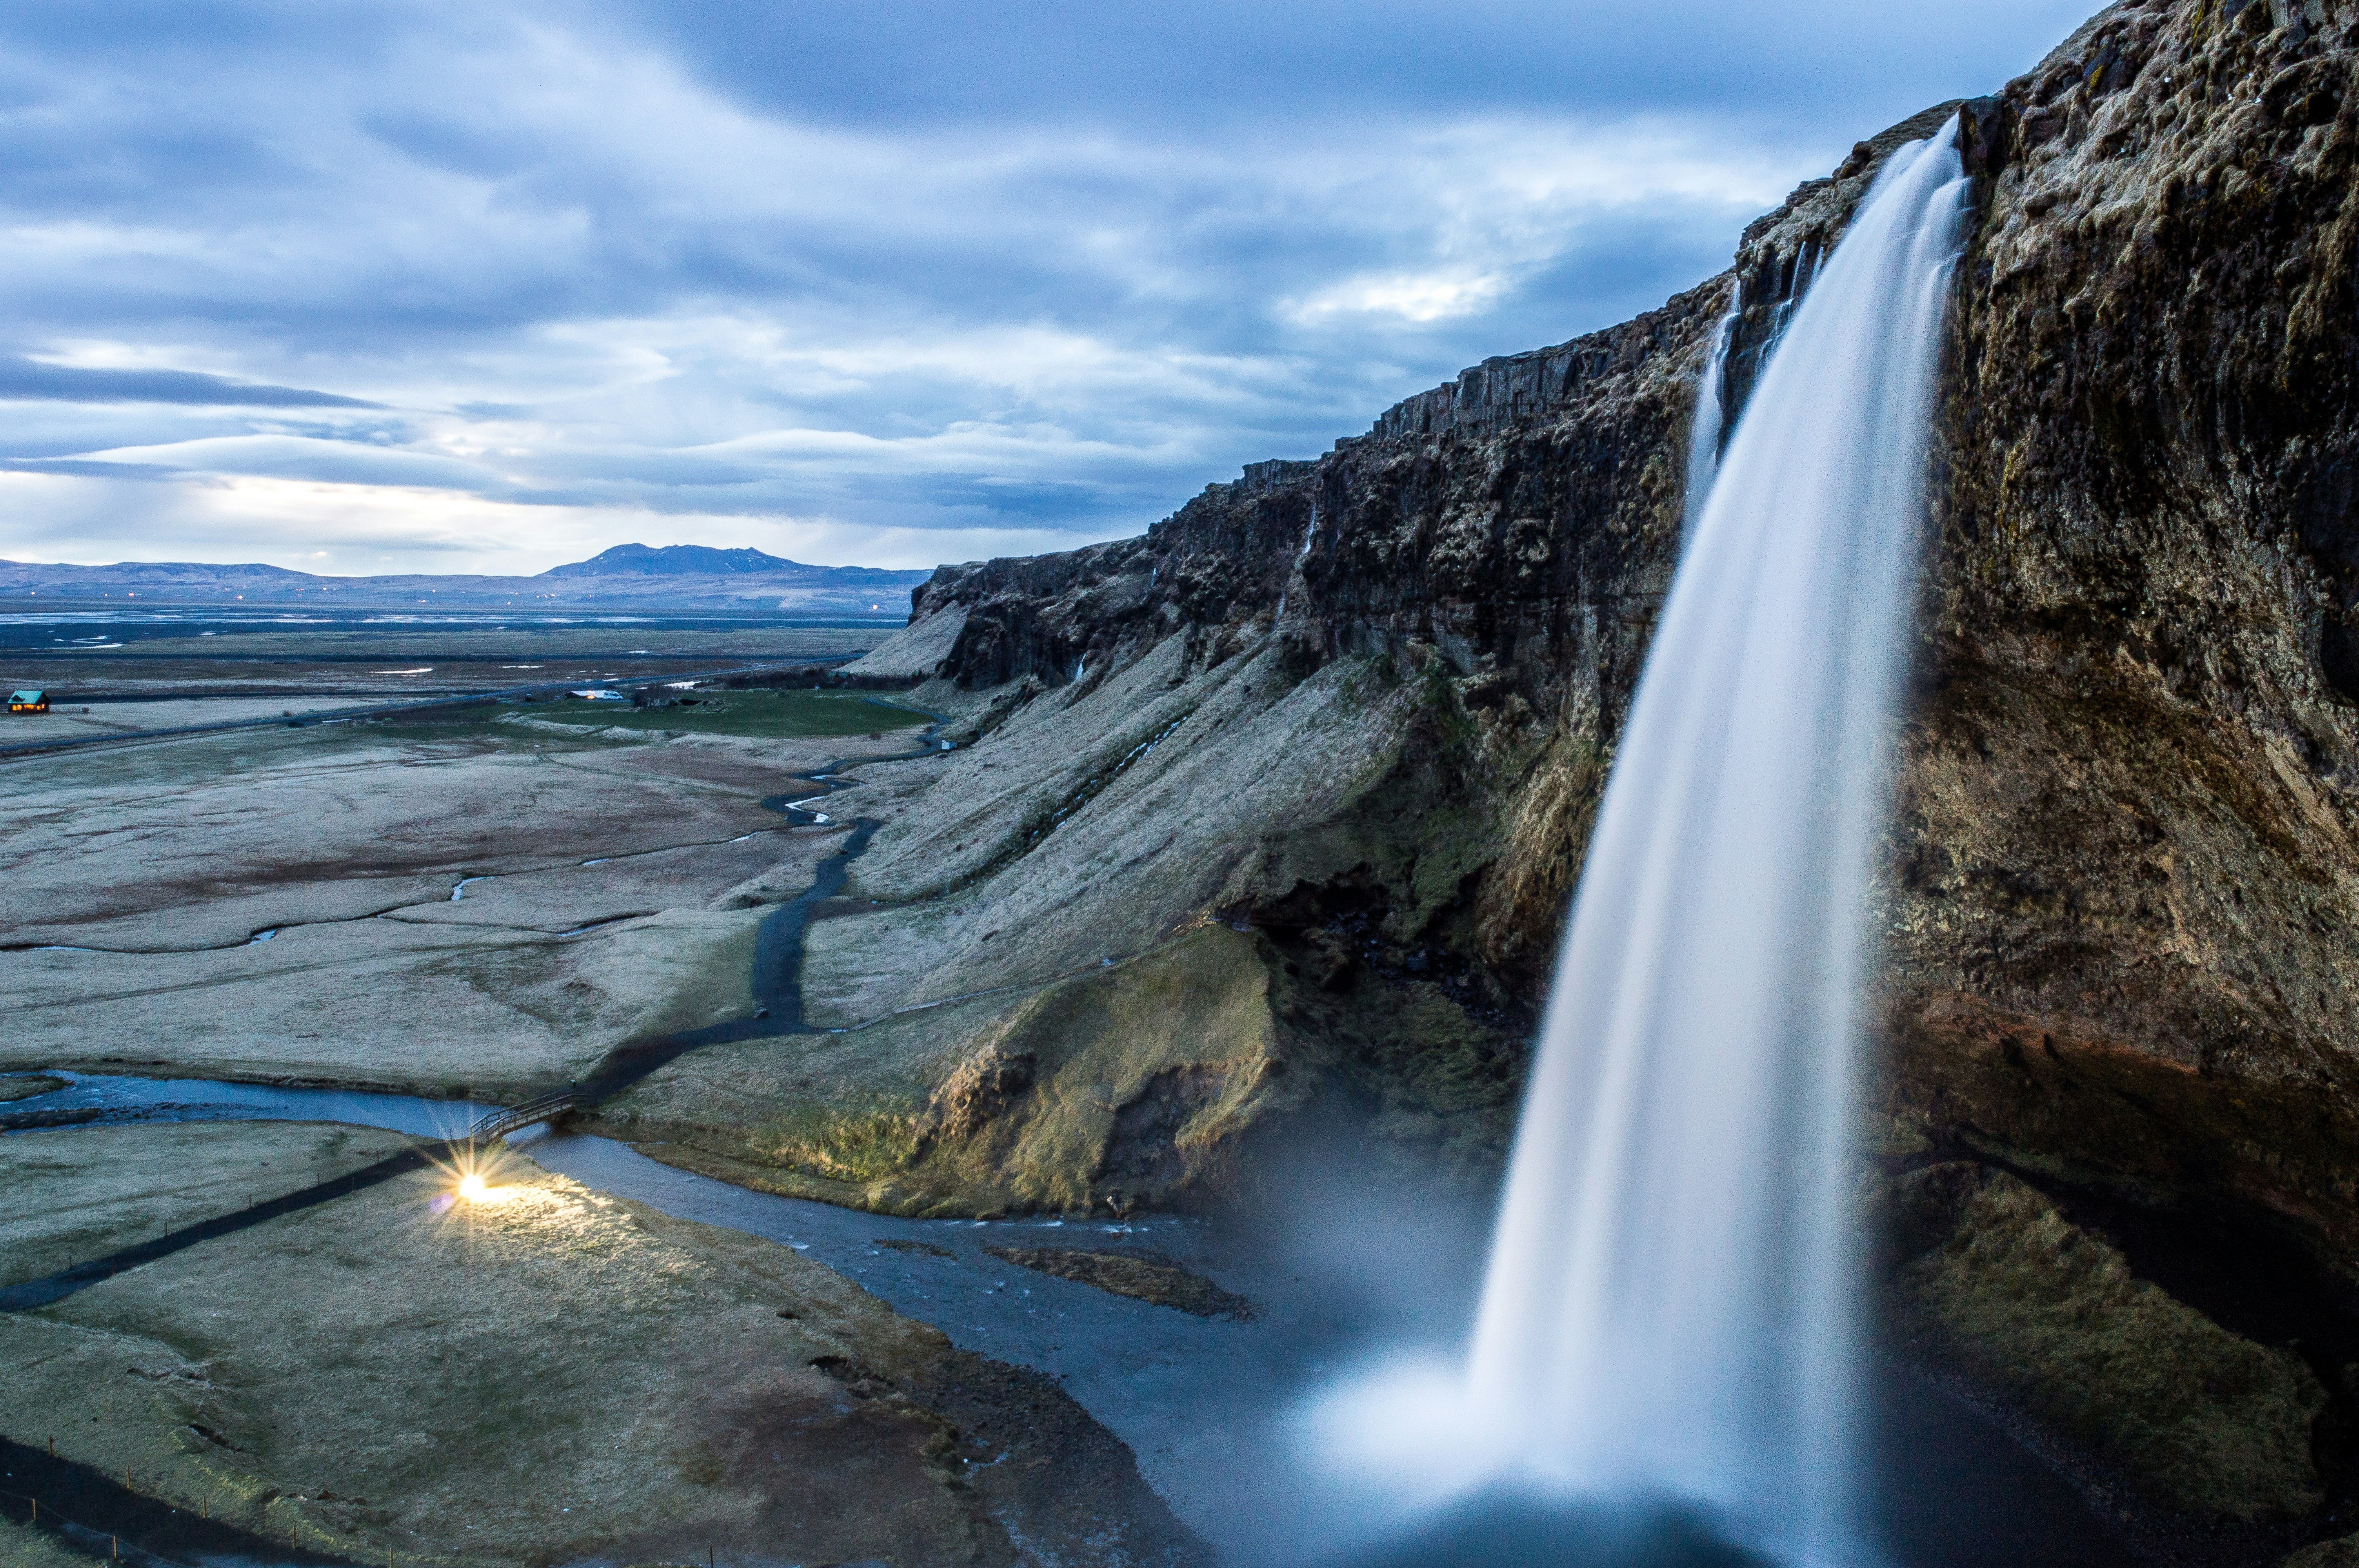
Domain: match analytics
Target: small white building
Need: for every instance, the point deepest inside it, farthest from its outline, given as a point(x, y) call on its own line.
point(599, 694)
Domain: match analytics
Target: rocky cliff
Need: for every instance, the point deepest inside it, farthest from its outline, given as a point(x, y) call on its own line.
point(1351, 715)
point(2123, 875)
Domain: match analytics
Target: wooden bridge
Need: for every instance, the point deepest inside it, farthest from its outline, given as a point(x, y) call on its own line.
point(552, 1109)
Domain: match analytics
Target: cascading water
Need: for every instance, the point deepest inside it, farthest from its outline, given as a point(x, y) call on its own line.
point(1782, 316)
point(1666, 1311)
point(1309, 532)
point(1703, 433)
point(1668, 1305)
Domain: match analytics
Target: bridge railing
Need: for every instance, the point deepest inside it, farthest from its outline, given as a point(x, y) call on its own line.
point(549, 1107)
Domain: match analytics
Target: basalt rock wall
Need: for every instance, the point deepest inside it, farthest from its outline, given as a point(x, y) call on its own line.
point(2123, 875)
point(2124, 894)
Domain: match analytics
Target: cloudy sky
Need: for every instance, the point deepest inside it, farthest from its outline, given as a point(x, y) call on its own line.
point(479, 287)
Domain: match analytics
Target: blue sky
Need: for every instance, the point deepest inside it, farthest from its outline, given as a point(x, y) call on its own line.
point(363, 288)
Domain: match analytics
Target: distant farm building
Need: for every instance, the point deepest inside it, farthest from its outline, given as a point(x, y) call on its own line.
point(28, 702)
point(599, 694)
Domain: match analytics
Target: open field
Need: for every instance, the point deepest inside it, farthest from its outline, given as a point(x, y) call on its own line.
point(378, 636)
point(66, 719)
point(440, 904)
point(406, 661)
point(400, 674)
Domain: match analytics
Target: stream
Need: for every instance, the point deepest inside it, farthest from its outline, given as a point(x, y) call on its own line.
point(1207, 1405)
point(777, 979)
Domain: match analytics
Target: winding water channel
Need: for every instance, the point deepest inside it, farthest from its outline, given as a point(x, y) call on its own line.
point(1207, 1404)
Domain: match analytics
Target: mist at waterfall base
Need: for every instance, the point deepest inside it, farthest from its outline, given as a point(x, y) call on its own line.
point(1667, 1327)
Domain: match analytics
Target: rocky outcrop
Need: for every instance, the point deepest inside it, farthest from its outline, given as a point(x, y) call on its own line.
point(2122, 879)
point(1997, 1282)
point(2123, 869)
point(1125, 1084)
point(2124, 875)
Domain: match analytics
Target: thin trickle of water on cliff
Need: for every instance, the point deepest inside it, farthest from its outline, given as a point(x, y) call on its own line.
point(1781, 318)
point(1310, 532)
point(1703, 434)
point(1668, 1309)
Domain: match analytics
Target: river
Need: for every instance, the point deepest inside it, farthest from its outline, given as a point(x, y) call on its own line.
point(1207, 1405)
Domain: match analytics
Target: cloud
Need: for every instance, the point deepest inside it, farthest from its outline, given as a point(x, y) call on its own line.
point(32, 379)
point(582, 274)
point(298, 456)
point(361, 529)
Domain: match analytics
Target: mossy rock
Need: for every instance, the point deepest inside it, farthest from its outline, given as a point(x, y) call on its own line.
point(25, 1085)
point(1142, 1276)
point(1130, 1085)
point(2203, 1420)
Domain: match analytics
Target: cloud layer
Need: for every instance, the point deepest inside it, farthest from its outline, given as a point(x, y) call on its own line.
point(487, 288)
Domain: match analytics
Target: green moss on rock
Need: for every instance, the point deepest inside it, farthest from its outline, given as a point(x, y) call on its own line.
point(2201, 1421)
point(1133, 1084)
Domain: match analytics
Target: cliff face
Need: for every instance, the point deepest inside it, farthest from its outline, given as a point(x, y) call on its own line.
point(1356, 713)
point(2123, 906)
point(2123, 869)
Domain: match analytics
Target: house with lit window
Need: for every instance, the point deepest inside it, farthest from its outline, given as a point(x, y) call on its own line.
point(28, 702)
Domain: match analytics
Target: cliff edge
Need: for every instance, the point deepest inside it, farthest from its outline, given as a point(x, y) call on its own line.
point(1267, 820)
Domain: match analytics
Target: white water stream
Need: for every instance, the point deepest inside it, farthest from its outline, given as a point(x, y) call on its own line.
point(1668, 1311)
point(1309, 532)
point(1703, 433)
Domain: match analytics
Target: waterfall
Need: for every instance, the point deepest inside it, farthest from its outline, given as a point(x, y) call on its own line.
point(1310, 532)
point(1668, 1309)
point(1782, 316)
point(1703, 433)
point(1668, 1305)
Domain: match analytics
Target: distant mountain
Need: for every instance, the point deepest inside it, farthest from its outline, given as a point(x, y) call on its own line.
point(675, 560)
point(679, 576)
point(702, 560)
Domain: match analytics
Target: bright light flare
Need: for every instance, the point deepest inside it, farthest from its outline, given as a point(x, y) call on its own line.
point(471, 1173)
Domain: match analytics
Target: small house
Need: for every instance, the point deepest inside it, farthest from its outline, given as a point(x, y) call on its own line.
point(28, 702)
point(599, 694)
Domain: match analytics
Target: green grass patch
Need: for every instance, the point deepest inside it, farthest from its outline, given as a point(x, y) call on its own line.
point(841, 1145)
point(460, 721)
point(761, 714)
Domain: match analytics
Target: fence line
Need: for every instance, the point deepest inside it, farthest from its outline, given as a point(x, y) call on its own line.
point(114, 1551)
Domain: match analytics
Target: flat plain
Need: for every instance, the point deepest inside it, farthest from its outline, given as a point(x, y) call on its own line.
point(481, 902)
